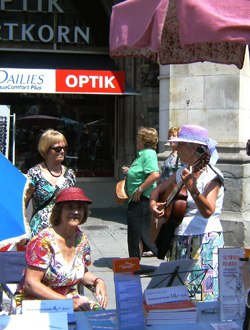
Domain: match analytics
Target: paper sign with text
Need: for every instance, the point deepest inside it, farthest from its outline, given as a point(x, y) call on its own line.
point(165, 295)
point(128, 293)
point(225, 326)
point(44, 321)
point(126, 265)
point(48, 306)
point(231, 285)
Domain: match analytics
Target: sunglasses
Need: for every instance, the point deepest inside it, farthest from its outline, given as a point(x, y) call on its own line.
point(58, 149)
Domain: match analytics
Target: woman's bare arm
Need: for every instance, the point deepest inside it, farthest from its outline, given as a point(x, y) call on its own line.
point(156, 207)
point(205, 203)
point(100, 287)
point(145, 185)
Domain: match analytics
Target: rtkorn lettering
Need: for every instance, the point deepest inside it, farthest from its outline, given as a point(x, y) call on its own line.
point(28, 33)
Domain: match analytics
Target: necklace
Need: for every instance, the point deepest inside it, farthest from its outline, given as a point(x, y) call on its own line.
point(56, 176)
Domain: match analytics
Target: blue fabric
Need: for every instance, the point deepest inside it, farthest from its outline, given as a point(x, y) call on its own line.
point(12, 184)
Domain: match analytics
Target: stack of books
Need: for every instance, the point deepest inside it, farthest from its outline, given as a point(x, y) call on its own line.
point(170, 313)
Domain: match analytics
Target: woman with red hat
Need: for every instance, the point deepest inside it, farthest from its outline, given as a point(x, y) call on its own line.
point(199, 234)
point(58, 257)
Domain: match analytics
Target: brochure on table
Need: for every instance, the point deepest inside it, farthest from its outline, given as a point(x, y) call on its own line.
point(128, 292)
point(231, 286)
point(226, 326)
point(50, 306)
point(31, 321)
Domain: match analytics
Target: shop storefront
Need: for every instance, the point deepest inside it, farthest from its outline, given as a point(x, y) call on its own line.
point(55, 72)
point(54, 62)
point(79, 103)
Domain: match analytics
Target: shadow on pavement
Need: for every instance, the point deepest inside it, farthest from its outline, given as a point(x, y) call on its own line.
point(105, 262)
point(146, 269)
point(116, 214)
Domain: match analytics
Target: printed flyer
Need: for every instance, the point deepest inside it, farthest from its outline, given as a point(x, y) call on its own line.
point(31, 321)
point(128, 292)
point(231, 286)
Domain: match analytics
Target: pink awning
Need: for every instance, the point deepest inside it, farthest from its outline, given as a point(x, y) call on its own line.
point(137, 25)
point(182, 31)
point(206, 21)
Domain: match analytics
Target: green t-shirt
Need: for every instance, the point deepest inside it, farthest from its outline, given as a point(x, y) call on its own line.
point(145, 163)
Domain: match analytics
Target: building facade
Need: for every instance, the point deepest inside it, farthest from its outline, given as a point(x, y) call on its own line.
point(56, 72)
point(103, 102)
point(215, 96)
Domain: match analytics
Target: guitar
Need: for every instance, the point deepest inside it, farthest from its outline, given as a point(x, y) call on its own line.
point(176, 199)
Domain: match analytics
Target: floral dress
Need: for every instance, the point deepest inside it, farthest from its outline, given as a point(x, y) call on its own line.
point(43, 252)
point(44, 190)
point(170, 166)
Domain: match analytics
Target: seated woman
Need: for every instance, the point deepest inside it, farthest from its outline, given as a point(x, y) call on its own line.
point(58, 257)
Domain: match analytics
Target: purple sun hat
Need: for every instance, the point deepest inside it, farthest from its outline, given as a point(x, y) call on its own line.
point(197, 134)
point(192, 134)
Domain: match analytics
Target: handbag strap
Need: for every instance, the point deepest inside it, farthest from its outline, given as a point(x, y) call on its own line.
point(48, 200)
point(44, 204)
point(176, 163)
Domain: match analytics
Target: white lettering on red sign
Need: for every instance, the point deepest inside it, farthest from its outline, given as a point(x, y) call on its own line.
point(72, 81)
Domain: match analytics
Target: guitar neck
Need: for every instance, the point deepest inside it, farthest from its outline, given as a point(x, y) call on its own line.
point(174, 192)
point(197, 166)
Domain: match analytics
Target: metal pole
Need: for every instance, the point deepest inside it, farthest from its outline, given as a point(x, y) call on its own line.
point(14, 139)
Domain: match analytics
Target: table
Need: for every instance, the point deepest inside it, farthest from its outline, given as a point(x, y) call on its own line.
point(107, 319)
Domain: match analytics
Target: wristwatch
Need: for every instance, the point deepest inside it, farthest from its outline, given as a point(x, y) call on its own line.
point(196, 195)
point(140, 190)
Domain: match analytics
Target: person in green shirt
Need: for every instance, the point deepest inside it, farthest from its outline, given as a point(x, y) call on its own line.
point(141, 179)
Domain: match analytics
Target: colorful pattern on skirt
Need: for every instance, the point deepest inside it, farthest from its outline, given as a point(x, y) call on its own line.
point(204, 248)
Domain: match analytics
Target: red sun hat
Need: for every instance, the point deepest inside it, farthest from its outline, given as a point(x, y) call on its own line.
point(72, 194)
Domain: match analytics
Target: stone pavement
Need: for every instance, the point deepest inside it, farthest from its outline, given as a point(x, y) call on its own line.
point(107, 233)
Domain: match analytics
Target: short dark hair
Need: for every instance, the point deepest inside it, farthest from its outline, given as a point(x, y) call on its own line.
point(55, 218)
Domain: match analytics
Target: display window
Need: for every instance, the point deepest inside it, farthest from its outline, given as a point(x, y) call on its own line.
point(87, 121)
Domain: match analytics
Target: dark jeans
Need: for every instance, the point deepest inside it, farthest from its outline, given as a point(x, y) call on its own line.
point(138, 218)
point(246, 325)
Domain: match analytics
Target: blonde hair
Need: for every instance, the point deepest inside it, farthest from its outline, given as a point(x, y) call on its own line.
point(48, 139)
point(149, 137)
point(174, 129)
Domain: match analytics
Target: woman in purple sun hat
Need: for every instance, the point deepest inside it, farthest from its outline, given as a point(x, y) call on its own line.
point(191, 200)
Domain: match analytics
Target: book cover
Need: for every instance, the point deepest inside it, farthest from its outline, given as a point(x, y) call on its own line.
point(174, 315)
point(152, 322)
point(170, 313)
point(184, 305)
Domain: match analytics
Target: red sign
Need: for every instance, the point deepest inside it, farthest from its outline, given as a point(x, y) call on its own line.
point(90, 82)
point(126, 265)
